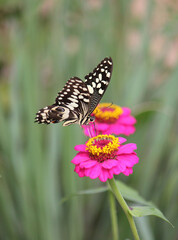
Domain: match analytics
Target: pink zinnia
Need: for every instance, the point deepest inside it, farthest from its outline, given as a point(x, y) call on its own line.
point(103, 156)
point(111, 119)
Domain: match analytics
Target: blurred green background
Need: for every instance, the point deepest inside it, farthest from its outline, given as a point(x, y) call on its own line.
point(42, 45)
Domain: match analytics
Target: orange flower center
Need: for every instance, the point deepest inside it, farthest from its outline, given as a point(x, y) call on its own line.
point(102, 147)
point(105, 112)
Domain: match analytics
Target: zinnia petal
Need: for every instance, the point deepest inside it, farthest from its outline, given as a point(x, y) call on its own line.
point(127, 120)
point(122, 140)
point(119, 168)
point(127, 148)
point(80, 157)
point(128, 171)
point(81, 148)
point(128, 159)
point(88, 164)
point(93, 172)
point(102, 126)
point(104, 175)
point(126, 111)
point(110, 163)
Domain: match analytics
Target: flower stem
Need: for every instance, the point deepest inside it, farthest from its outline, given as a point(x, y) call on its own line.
point(124, 206)
point(113, 216)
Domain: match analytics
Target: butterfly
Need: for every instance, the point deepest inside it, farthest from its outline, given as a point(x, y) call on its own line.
point(77, 100)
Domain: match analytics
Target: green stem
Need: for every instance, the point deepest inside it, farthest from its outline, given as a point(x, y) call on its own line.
point(113, 216)
point(124, 206)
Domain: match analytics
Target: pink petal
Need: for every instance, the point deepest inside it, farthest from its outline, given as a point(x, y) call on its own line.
point(127, 148)
point(127, 120)
point(108, 164)
point(122, 140)
point(93, 172)
point(128, 160)
point(77, 168)
point(81, 148)
point(104, 175)
point(129, 130)
point(88, 164)
point(126, 111)
point(110, 174)
point(128, 171)
point(80, 157)
point(102, 126)
point(117, 128)
point(119, 168)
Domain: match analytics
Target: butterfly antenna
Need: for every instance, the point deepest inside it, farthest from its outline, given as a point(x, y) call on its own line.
point(109, 105)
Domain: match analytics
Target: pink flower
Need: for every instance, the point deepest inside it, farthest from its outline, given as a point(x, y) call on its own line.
point(111, 119)
point(103, 156)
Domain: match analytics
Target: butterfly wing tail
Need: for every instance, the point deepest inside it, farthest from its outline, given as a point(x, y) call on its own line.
point(50, 114)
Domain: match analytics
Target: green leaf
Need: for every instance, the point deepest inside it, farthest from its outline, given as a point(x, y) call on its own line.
point(130, 193)
point(141, 211)
point(85, 192)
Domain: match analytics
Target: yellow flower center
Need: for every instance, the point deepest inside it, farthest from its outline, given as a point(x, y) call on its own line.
point(102, 147)
point(106, 112)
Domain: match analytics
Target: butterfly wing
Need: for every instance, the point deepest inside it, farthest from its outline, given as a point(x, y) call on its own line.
point(71, 104)
point(97, 82)
point(78, 99)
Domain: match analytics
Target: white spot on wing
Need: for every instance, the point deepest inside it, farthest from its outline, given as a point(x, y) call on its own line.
point(77, 91)
point(74, 104)
point(108, 74)
point(86, 100)
point(90, 89)
point(100, 76)
point(94, 84)
point(99, 85)
point(100, 91)
point(73, 99)
point(70, 107)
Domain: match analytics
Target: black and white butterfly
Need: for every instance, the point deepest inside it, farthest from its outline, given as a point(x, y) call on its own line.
point(78, 99)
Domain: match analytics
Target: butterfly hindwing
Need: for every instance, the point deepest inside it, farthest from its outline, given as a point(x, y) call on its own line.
point(97, 81)
point(52, 114)
point(71, 104)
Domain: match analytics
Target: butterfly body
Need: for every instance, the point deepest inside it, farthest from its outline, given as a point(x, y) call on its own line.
point(77, 100)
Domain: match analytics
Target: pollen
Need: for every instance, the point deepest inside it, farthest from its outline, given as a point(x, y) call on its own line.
point(106, 112)
point(102, 147)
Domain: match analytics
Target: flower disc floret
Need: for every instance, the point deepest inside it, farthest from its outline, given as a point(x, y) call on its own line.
point(102, 147)
point(105, 112)
point(102, 144)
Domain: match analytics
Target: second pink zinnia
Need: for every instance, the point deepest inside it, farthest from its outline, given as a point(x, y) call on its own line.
point(112, 119)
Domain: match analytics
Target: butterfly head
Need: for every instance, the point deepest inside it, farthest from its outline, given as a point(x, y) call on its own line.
point(87, 120)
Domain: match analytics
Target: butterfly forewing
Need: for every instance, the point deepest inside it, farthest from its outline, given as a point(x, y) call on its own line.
point(73, 93)
point(97, 82)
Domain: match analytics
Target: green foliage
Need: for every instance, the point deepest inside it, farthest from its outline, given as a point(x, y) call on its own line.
point(43, 44)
